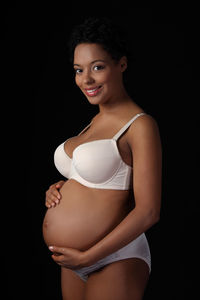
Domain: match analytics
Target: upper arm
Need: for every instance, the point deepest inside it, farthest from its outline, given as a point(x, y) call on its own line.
point(145, 144)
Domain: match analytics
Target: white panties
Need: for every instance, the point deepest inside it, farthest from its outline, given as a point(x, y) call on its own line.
point(137, 248)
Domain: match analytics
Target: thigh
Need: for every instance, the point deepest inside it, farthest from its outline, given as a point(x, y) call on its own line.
point(122, 280)
point(73, 287)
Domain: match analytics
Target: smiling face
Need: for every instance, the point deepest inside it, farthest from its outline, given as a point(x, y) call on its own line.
point(97, 75)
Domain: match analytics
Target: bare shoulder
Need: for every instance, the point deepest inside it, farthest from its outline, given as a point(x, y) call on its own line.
point(144, 128)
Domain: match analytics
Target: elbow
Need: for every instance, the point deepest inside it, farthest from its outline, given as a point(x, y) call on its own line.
point(156, 218)
point(148, 216)
point(152, 218)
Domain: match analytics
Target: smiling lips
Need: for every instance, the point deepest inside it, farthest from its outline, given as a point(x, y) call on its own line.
point(91, 92)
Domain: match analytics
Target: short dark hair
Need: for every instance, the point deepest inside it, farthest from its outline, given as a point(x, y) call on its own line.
point(101, 31)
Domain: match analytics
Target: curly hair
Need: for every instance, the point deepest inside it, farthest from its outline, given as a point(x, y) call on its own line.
point(100, 31)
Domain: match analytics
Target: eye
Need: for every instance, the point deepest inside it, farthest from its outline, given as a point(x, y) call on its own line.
point(77, 71)
point(99, 67)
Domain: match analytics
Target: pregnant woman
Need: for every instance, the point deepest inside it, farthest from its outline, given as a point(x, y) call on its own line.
point(96, 220)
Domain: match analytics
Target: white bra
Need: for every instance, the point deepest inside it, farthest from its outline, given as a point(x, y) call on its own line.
point(97, 164)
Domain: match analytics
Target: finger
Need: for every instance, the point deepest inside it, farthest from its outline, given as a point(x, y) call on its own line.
point(61, 262)
point(55, 249)
point(57, 185)
point(60, 184)
point(58, 258)
point(52, 198)
point(49, 202)
point(54, 194)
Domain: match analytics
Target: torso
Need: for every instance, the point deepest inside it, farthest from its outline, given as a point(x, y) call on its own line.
point(85, 215)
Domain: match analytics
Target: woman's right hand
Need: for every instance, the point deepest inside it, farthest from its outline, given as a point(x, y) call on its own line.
point(53, 195)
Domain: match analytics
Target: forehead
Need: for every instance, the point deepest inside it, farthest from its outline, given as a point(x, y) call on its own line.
point(86, 53)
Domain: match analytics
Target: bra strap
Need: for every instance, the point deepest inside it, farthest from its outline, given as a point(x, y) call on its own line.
point(85, 128)
point(125, 127)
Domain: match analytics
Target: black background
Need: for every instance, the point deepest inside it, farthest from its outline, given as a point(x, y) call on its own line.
point(41, 107)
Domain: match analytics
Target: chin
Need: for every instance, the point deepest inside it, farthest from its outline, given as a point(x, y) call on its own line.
point(96, 101)
point(99, 99)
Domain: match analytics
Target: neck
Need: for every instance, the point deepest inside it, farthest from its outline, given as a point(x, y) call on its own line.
point(115, 103)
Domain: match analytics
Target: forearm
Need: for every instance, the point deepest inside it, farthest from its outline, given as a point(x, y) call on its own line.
point(134, 224)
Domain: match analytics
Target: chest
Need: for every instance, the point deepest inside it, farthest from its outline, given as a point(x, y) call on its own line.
point(94, 142)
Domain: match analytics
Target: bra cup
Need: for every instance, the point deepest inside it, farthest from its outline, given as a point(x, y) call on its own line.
point(96, 162)
point(62, 161)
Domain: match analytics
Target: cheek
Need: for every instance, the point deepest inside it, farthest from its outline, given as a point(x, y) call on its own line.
point(106, 78)
point(77, 81)
point(110, 80)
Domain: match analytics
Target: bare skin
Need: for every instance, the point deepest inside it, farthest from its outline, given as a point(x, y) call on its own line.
point(75, 210)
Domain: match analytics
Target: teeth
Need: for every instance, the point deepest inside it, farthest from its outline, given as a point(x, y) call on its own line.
point(91, 91)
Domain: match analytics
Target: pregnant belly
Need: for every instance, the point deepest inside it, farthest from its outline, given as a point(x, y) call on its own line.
point(81, 219)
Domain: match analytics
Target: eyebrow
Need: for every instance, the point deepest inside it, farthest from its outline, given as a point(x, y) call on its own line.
point(97, 60)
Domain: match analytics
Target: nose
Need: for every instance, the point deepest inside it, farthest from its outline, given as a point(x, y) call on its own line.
point(87, 78)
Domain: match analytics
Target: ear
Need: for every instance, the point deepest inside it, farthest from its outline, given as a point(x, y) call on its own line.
point(123, 63)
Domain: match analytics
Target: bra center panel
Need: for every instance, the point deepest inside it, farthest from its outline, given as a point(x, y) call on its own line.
point(65, 147)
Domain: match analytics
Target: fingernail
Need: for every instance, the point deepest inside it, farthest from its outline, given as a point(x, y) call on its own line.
point(50, 247)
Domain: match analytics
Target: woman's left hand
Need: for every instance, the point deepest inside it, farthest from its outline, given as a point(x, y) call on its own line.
point(68, 257)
